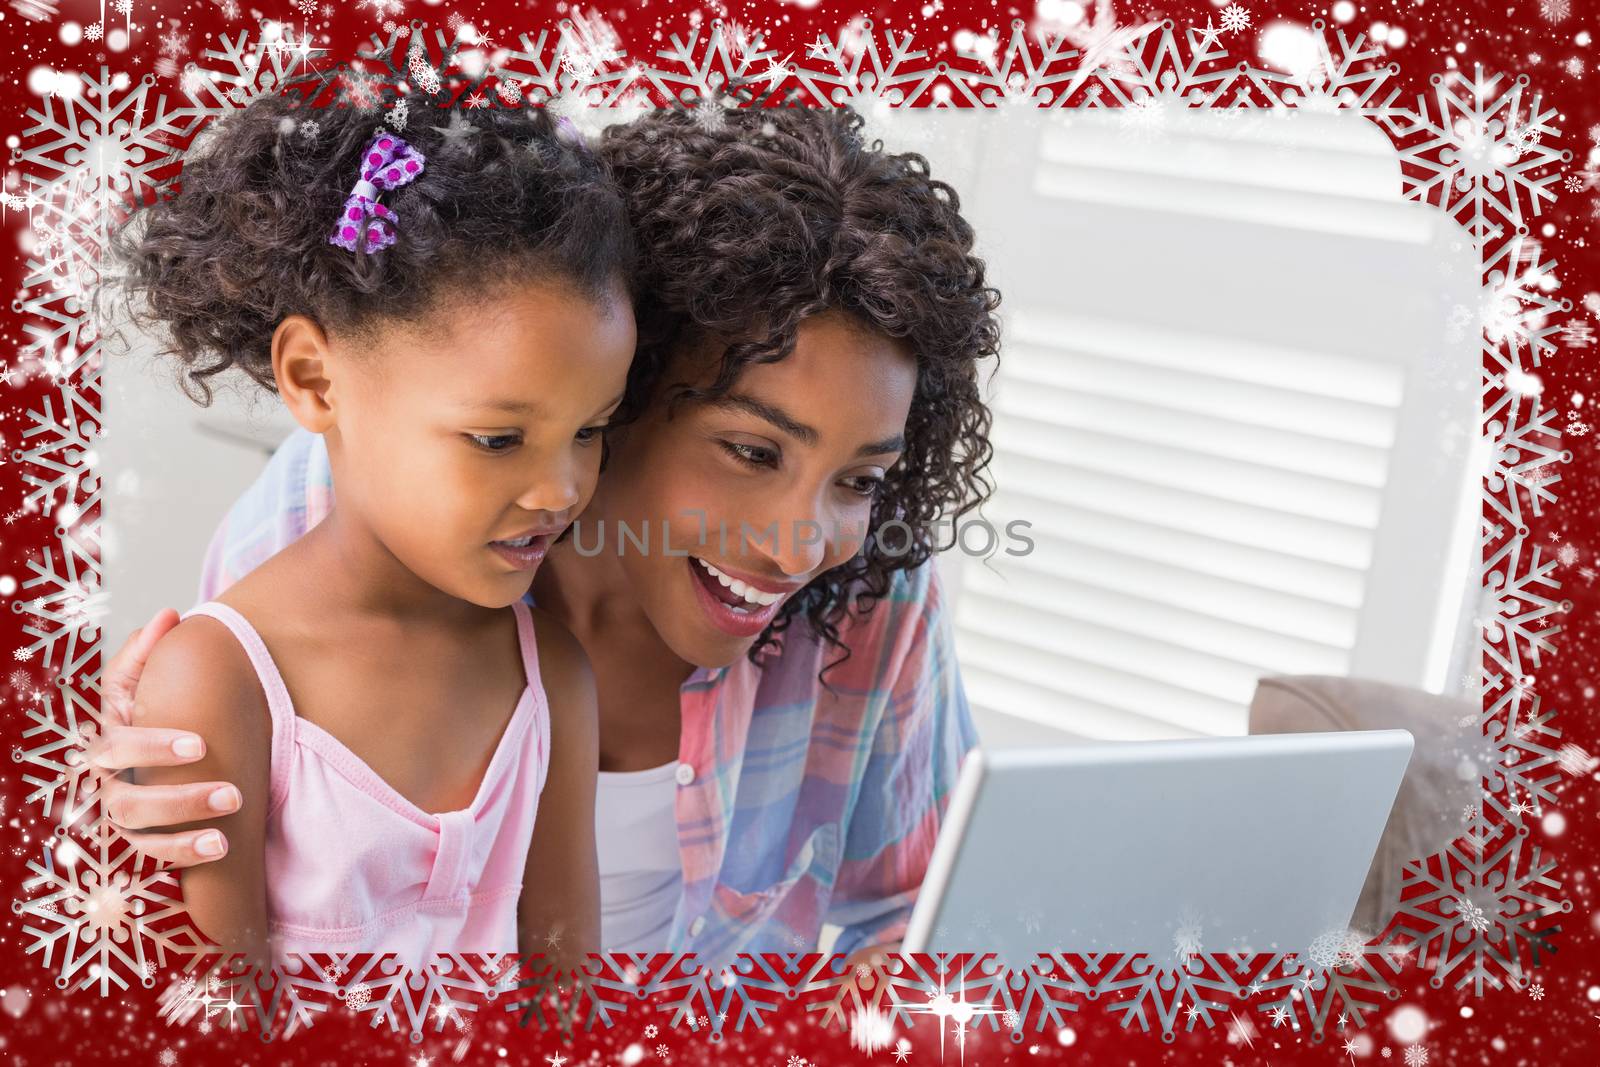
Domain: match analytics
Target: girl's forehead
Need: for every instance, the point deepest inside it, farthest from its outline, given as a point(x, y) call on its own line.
point(535, 350)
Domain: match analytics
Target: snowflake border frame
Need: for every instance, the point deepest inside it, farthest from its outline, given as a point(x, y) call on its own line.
point(578, 68)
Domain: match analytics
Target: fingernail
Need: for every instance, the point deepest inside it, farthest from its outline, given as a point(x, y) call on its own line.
point(210, 843)
point(188, 747)
point(224, 799)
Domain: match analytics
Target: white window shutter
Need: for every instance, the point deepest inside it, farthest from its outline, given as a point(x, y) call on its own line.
point(1233, 406)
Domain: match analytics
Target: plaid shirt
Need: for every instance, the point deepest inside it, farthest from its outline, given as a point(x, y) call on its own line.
point(806, 806)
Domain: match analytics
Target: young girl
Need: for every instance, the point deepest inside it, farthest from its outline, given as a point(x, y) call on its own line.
point(448, 306)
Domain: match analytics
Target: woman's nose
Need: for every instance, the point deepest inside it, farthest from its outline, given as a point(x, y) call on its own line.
point(798, 543)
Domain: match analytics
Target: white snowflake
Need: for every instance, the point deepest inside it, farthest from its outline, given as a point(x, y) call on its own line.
point(110, 138)
point(1576, 333)
point(588, 46)
point(242, 68)
point(1487, 152)
point(93, 914)
point(92, 32)
point(1536, 991)
point(1555, 10)
point(709, 114)
point(1471, 914)
point(1416, 1056)
point(1336, 948)
point(1235, 19)
point(35, 10)
point(423, 74)
point(173, 43)
point(1575, 761)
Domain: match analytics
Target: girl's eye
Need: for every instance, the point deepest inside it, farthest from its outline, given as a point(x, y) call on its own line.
point(753, 455)
point(590, 434)
point(497, 442)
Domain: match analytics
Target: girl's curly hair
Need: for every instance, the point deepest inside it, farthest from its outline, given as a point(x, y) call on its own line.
point(503, 196)
point(748, 227)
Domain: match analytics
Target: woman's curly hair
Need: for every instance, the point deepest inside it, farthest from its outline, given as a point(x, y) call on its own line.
point(750, 226)
point(504, 195)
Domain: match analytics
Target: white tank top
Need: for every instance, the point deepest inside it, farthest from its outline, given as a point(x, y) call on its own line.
point(641, 870)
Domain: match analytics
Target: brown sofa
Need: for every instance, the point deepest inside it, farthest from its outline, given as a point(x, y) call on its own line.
point(1441, 780)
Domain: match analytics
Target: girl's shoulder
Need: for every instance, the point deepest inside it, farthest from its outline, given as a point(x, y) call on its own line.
point(199, 677)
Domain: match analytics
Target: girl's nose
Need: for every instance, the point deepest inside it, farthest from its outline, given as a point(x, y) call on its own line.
point(555, 488)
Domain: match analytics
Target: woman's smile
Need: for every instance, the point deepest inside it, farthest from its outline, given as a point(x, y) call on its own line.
point(735, 606)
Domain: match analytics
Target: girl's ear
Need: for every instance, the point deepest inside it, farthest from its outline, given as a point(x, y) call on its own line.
point(303, 366)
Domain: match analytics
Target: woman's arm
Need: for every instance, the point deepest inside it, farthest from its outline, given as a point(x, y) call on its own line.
point(292, 494)
point(199, 678)
point(558, 914)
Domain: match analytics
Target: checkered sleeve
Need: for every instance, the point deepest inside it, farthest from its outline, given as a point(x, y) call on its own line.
point(917, 748)
point(293, 493)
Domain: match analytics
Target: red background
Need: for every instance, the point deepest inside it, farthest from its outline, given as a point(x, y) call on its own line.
point(1504, 1026)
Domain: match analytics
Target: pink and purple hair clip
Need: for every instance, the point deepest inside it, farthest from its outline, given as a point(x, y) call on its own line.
point(387, 163)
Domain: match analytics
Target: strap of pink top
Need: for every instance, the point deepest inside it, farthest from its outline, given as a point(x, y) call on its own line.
point(539, 736)
point(278, 703)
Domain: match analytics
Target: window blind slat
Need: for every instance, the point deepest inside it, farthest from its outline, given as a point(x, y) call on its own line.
point(1181, 509)
point(1376, 382)
point(1066, 675)
point(1110, 648)
point(1262, 650)
point(1136, 419)
point(1257, 404)
point(1059, 528)
point(989, 692)
point(1222, 478)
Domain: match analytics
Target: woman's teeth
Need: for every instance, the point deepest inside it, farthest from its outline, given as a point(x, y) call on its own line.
point(518, 542)
point(748, 594)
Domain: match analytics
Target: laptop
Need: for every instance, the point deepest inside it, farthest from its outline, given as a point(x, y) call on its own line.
point(1217, 844)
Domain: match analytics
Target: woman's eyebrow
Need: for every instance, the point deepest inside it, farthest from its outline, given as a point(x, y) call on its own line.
point(797, 429)
point(897, 443)
point(771, 413)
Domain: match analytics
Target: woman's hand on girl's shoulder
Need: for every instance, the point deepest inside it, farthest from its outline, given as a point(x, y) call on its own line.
point(199, 678)
point(122, 747)
point(558, 915)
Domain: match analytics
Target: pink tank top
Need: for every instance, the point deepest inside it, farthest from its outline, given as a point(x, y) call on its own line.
point(353, 866)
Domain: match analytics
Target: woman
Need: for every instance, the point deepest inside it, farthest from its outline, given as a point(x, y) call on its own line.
point(781, 714)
